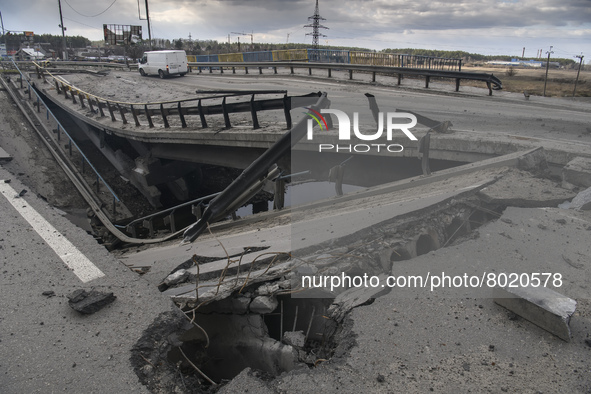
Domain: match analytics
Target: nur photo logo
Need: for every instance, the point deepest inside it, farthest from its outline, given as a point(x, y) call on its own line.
point(394, 121)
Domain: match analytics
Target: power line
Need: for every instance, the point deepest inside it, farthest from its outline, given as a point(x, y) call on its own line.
point(90, 16)
point(83, 24)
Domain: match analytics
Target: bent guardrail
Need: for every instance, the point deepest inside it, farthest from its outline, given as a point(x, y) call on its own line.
point(491, 81)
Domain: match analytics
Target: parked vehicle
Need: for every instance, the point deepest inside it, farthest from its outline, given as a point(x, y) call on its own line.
point(163, 63)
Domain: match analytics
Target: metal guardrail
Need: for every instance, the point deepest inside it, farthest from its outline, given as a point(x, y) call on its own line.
point(491, 81)
point(60, 127)
point(180, 108)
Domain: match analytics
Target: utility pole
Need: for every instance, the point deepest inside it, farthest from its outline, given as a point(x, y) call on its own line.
point(316, 26)
point(65, 53)
point(149, 28)
point(578, 72)
point(244, 34)
point(523, 53)
point(4, 35)
point(547, 67)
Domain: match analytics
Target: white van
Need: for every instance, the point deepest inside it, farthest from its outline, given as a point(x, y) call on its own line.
point(163, 63)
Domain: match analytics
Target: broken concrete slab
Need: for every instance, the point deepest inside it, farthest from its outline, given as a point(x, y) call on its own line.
point(354, 297)
point(89, 302)
point(533, 162)
point(578, 172)
point(582, 201)
point(540, 305)
point(263, 305)
point(520, 189)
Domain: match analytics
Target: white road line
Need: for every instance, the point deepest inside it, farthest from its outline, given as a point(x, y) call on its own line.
point(82, 267)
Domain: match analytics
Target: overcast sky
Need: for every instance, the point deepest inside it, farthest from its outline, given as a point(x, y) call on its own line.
point(479, 26)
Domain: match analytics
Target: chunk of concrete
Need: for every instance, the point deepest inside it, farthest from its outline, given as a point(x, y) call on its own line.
point(176, 277)
point(540, 305)
point(582, 201)
point(294, 338)
point(263, 305)
point(89, 302)
point(578, 172)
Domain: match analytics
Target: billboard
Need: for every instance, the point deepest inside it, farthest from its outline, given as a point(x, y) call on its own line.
point(122, 34)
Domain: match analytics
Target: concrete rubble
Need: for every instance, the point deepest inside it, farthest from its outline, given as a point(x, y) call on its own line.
point(90, 302)
point(577, 172)
point(542, 306)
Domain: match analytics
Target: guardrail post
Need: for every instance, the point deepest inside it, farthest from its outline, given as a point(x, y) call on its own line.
point(201, 115)
point(148, 116)
point(427, 79)
point(183, 123)
point(164, 113)
point(246, 69)
point(275, 70)
point(225, 112)
point(399, 78)
point(488, 84)
point(111, 112)
point(291, 68)
point(122, 114)
point(458, 84)
point(210, 69)
point(309, 70)
point(221, 70)
point(286, 111)
point(233, 70)
point(253, 113)
point(134, 114)
point(330, 72)
point(350, 74)
point(260, 70)
point(373, 76)
point(100, 107)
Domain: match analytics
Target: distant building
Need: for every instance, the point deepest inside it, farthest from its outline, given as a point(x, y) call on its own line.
point(29, 54)
point(523, 63)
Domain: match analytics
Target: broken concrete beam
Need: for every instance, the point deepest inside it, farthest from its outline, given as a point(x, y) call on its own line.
point(89, 302)
point(540, 305)
point(263, 305)
point(578, 172)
